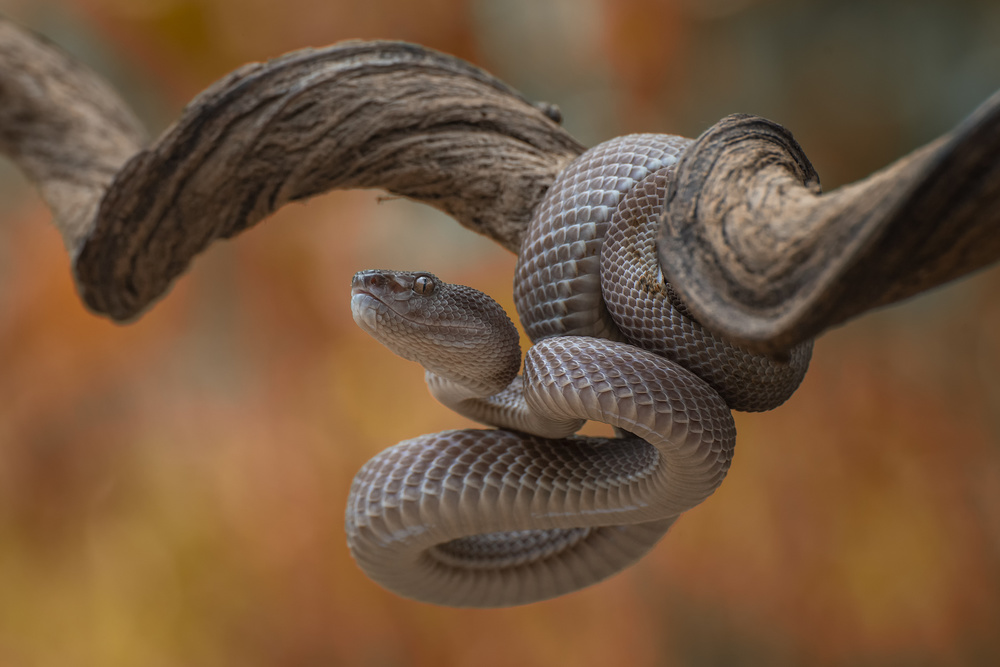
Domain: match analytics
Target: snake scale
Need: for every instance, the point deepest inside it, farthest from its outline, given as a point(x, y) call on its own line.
point(527, 510)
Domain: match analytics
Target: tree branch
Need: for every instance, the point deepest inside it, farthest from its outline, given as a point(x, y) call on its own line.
point(388, 115)
point(759, 255)
point(67, 130)
point(748, 241)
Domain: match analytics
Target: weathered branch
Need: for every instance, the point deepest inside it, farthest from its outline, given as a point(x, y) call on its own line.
point(388, 115)
point(759, 255)
point(748, 241)
point(66, 129)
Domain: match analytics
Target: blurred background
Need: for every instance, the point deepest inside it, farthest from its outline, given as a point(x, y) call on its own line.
point(172, 491)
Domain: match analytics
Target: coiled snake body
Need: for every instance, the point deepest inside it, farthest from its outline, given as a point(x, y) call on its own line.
point(528, 511)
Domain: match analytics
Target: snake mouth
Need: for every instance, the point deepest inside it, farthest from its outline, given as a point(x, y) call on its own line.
point(366, 307)
point(361, 291)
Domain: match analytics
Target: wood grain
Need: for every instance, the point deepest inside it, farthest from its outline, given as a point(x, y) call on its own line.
point(749, 242)
point(386, 115)
point(761, 256)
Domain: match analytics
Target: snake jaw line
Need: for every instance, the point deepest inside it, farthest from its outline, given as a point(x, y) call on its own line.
point(364, 309)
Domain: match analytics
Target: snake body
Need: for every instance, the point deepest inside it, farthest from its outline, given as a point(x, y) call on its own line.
point(528, 511)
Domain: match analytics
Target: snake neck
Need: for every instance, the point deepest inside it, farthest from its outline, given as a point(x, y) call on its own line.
point(506, 408)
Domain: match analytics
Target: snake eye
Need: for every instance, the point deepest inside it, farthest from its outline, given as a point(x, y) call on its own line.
point(423, 285)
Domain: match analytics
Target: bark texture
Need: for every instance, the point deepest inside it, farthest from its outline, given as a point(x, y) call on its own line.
point(760, 255)
point(64, 127)
point(387, 115)
point(748, 240)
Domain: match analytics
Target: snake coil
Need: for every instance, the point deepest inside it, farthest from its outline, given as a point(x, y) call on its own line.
point(528, 511)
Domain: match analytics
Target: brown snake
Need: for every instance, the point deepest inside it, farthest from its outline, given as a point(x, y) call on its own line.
point(528, 511)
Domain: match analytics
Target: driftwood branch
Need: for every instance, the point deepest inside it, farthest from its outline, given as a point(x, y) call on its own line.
point(66, 129)
point(387, 115)
point(748, 241)
point(761, 256)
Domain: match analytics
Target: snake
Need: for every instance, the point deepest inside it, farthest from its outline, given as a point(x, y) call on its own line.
point(527, 510)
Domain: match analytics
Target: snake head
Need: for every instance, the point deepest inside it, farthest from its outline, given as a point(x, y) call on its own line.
point(451, 330)
point(377, 293)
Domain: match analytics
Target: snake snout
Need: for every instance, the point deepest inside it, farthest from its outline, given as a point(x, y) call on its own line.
point(367, 288)
point(370, 280)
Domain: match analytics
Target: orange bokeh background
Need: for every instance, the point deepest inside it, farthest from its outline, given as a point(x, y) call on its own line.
point(172, 491)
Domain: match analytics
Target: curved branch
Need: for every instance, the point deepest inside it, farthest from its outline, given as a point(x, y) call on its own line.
point(358, 115)
point(67, 130)
point(388, 115)
point(748, 241)
point(759, 255)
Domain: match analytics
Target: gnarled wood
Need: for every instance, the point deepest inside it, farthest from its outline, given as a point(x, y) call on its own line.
point(358, 115)
point(67, 130)
point(760, 256)
point(388, 115)
point(749, 243)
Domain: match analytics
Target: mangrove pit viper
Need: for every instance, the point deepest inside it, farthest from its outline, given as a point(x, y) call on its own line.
point(528, 511)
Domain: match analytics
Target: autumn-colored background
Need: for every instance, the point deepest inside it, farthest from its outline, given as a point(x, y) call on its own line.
point(172, 491)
